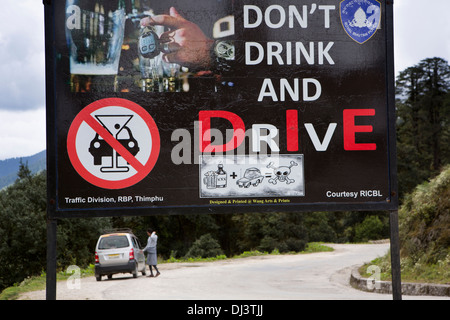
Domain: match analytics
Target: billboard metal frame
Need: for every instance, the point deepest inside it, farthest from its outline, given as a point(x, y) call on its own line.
point(54, 214)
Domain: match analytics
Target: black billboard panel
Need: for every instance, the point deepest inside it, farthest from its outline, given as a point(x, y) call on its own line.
point(220, 106)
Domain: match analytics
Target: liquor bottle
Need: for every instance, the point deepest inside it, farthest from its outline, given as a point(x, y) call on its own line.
point(221, 177)
point(100, 42)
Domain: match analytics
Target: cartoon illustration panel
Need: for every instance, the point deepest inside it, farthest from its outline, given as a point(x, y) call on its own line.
point(252, 176)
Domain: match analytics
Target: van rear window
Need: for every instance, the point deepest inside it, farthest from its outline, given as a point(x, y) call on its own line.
point(113, 242)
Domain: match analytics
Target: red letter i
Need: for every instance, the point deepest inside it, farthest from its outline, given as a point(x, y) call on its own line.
point(292, 130)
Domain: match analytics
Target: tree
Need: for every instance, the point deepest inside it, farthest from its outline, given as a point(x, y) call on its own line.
point(423, 110)
point(22, 228)
point(206, 246)
point(23, 211)
point(24, 171)
point(320, 227)
point(269, 231)
point(372, 228)
point(436, 86)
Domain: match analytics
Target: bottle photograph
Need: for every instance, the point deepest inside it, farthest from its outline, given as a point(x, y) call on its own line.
point(132, 46)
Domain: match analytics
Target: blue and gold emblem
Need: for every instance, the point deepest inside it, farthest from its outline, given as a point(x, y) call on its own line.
point(360, 18)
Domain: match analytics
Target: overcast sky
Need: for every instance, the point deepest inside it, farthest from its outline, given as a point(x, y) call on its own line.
point(422, 30)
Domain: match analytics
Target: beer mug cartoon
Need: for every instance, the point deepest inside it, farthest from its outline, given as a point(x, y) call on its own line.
point(210, 180)
point(216, 179)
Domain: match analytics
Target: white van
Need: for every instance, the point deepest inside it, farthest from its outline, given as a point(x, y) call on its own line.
point(118, 252)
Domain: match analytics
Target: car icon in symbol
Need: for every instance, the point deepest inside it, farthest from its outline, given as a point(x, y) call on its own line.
point(252, 176)
point(100, 148)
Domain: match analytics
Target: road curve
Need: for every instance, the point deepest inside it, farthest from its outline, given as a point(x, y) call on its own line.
point(316, 276)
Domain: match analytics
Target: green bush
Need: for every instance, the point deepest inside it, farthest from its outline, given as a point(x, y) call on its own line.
point(205, 247)
point(370, 229)
point(269, 231)
point(270, 244)
point(425, 221)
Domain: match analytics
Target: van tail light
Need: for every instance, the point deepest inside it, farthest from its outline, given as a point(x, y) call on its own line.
point(96, 258)
point(131, 254)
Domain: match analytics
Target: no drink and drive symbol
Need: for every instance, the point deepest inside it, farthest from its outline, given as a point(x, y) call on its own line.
point(113, 143)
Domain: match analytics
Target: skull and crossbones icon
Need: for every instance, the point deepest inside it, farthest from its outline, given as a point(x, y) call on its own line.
point(282, 173)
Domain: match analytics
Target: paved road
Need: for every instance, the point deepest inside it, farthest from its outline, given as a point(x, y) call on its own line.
point(317, 276)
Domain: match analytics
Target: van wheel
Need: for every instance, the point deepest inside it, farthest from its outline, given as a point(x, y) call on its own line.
point(98, 278)
point(135, 272)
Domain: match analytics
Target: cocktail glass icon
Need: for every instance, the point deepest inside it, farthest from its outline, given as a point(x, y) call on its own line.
point(117, 127)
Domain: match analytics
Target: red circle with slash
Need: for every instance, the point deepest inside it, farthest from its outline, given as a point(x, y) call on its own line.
point(142, 168)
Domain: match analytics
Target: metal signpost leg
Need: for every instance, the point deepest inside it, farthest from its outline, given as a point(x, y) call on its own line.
point(51, 260)
point(395, 257)
point(51, 147)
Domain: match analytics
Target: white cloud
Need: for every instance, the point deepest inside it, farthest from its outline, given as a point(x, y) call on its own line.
point(422, 30)
point(22, 133)
point(22, 81)
point(22, 55)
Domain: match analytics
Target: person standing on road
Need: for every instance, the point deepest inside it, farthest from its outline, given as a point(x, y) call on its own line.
point(152, 259)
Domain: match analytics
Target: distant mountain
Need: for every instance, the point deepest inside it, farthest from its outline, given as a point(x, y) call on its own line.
point(10, 167)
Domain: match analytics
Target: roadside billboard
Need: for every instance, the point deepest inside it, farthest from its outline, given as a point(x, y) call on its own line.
point(220, 106)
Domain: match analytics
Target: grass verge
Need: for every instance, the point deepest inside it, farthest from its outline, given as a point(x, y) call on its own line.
point(38, 283)
point(413, 272)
